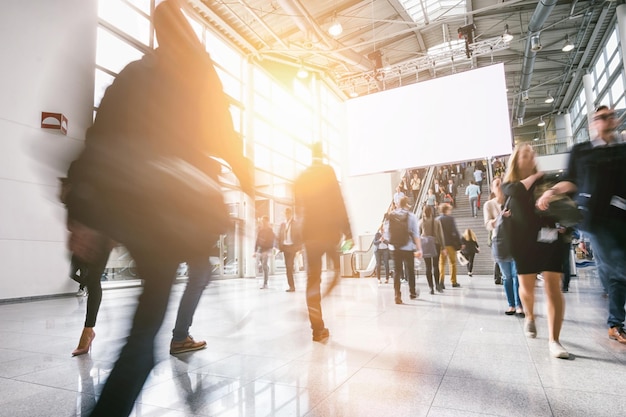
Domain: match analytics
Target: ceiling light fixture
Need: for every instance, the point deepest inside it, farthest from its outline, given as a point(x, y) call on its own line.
point(335, 29)
point(506, 36)
point(541, 122)
point(535, 43)
point(302, 72)
point(568, 45)
point(549, 98)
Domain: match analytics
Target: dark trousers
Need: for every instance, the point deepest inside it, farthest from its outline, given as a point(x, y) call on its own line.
point(92, 273)
point(433, 263)
point(136, 359)
point(382, 257)
point(567, 269)
point(470, 264)
point(403, 259)
point(289, 253)
point(199, 278)
point(314, 252)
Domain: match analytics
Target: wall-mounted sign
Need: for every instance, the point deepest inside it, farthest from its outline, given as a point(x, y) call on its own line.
point(55, 121)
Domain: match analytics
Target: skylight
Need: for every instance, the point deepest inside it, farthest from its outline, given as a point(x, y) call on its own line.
point(424, 12)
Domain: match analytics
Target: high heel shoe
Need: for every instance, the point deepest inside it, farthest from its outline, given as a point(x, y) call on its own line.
point(84, 345)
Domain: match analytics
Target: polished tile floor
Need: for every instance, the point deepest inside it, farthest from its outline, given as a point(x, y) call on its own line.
point(454, 354)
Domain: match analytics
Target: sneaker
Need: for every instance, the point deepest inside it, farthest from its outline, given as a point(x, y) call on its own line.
point(81, 293)
point(558, 351)
point(290, 290)
point(186, 345)
point(530, 329)
point(617, 333)
point(469, 273)
point(321, 335)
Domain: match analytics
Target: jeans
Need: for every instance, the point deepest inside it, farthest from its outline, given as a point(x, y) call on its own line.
point(199, 278)
point(314, 252)
point(473, 204)
point(511, 282)
point(610, 252)
point(136, 359)
point(403, 259)
point(382, 257)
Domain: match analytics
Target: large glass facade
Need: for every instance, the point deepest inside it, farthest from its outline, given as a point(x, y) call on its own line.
point(609, 81)
point(277, 121)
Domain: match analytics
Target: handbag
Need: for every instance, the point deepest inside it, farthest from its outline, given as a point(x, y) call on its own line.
point(461, 258)
point(501, 240)
point(429, 248)
point(163, 203)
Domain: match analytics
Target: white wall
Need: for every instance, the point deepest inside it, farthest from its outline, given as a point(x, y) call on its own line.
point(48, 50)
point(367, 198)
point(555, 162)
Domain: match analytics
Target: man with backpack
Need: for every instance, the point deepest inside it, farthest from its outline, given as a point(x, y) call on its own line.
point(404, 236)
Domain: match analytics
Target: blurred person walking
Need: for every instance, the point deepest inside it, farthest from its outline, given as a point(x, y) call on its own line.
point(534, 246)
point(324, 218)
point(146, 179)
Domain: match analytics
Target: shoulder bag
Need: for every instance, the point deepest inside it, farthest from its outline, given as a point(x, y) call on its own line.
point(501, 241)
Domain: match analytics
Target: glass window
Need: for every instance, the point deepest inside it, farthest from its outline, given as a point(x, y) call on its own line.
point(599, 67)
point(600, 83)
point(262, 82)
point(231, 85)
point(425, 11)
point(611, 44)
point(223, 54)
point(284, 165)
point(613, 64)
point(262, 132)
point(262, 157)
point(197, 27)
point(621, 104)
point(263, 106)
point(102, 81)
point(143, 5)
point(125, 18)
point(617, 89)
point(113, 53)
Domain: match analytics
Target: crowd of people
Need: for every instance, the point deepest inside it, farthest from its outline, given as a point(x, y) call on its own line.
point(140, 115)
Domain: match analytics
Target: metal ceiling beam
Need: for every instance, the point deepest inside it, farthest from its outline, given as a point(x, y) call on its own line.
point(484, 47)
point(202, 8)
point(307, 24)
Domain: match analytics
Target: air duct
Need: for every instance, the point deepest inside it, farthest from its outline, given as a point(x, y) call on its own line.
point(307, 25)
point(542, 11)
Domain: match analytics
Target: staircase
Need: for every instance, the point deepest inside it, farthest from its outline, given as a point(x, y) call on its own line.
point(462, 213)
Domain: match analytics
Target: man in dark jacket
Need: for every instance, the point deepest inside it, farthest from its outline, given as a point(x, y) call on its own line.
point(324, 218)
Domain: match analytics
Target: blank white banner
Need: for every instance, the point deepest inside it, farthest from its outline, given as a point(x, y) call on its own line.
point(450, 119)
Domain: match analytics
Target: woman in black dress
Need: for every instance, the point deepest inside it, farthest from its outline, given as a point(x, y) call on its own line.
point(534, 245)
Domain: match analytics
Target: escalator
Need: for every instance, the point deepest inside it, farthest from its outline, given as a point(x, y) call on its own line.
point(363, 261)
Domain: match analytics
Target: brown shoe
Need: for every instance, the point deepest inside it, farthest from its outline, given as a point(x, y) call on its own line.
point(617, 333)
point(186, 345)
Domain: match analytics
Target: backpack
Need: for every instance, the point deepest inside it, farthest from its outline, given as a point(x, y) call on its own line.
point(399, 228)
